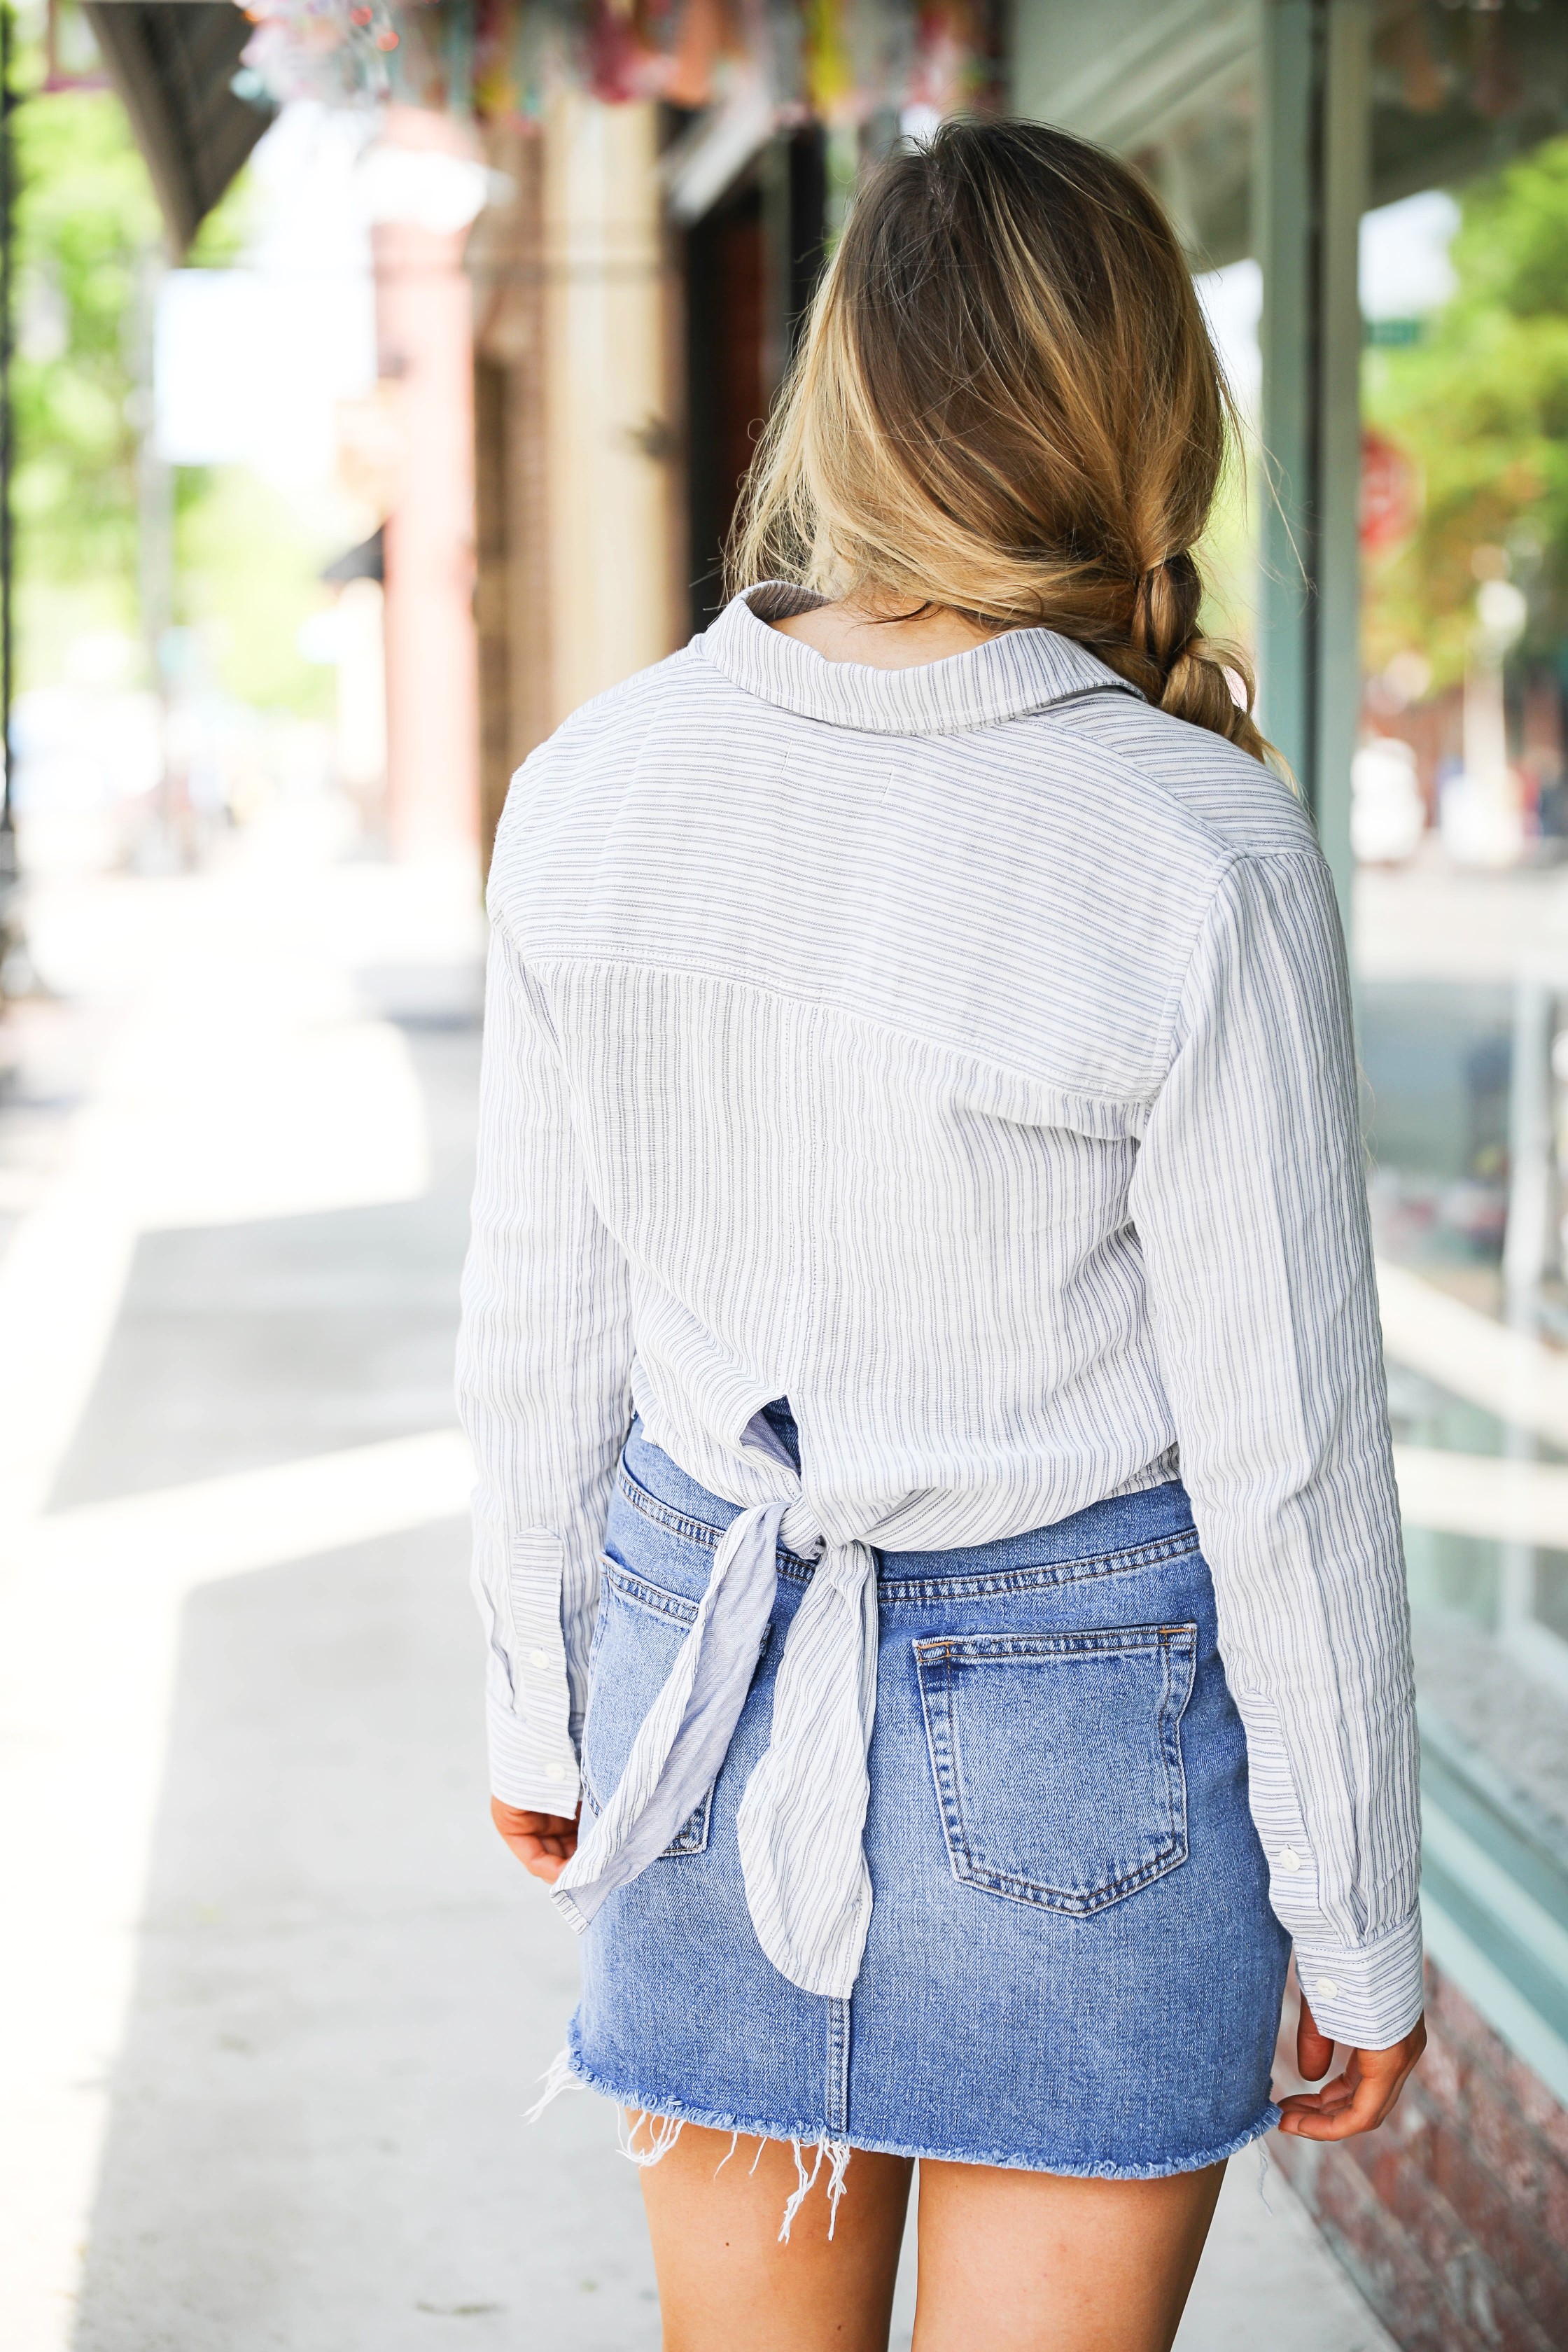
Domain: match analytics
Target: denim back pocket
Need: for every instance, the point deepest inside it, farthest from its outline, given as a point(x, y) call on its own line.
point(1058, 1760)
point(639, 1630)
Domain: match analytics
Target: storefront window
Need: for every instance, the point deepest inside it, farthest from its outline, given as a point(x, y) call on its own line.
point(1459, 826)
point(1460, 831)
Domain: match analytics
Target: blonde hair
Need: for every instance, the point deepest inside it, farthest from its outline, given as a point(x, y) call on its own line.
point(1006, 403)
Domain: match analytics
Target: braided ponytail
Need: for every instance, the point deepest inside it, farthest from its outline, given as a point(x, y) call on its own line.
point(1006, 403)
point(1182, 673)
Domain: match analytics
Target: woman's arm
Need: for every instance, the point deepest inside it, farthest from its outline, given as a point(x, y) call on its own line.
point(1250, 1204)
point(543, 1385)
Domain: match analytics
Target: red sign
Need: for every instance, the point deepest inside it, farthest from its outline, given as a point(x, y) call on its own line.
point(1390, 494)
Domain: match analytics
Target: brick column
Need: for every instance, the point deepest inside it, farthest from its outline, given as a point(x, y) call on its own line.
point(1453, 2219)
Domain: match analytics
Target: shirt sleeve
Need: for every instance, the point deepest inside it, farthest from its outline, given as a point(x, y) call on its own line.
point(544, 1390)
point(1250, 1201)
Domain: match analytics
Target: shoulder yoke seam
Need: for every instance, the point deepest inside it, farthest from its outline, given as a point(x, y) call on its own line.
point(542, 958)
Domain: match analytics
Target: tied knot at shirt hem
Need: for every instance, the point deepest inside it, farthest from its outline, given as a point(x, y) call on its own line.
point(809, 1891)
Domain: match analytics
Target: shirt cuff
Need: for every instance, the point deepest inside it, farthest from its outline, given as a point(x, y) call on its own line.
point(535, 1775)
point(1367, 1996)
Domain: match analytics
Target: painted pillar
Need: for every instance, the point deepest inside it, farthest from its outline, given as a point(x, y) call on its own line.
point(1310, 179)
point(424, 329)
point(615, 547)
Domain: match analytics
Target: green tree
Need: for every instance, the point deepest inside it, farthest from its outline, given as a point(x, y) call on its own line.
point(89, 245)
point(86, 232)
point(1481, 407)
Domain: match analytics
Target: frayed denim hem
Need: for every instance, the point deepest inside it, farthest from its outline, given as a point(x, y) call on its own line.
point(564, 2072)
point(575, 2074)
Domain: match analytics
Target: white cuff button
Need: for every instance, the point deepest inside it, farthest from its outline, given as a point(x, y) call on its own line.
point(558, 1772)
point(1327, 1987)
point(538, 1658)
point(1289, 1859)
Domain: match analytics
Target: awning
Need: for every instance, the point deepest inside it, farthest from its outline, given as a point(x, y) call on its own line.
point(171, 62)
point(1172, 83)
point(366, 562)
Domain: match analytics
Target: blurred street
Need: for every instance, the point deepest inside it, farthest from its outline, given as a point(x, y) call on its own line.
point(282, 1998)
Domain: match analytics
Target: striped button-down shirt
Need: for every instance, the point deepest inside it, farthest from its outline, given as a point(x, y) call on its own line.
point(961, 1051)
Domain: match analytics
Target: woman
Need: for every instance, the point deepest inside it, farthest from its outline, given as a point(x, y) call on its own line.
point(935, 1509)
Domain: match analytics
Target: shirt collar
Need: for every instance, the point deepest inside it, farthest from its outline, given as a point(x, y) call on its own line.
point(1009, 676)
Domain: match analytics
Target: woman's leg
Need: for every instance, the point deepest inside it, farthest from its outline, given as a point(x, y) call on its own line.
point(1028, 2261)
point(724, 2281)
point(1009, 2262)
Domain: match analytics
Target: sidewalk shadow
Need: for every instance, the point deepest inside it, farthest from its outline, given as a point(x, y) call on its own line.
point(346, 1996)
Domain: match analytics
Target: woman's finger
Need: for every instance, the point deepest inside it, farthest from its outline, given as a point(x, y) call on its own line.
point(1314, 2050)
point(543, 1858)
point(1362, 2109)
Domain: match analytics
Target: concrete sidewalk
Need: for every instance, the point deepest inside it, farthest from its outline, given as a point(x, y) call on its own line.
point(280, 1999)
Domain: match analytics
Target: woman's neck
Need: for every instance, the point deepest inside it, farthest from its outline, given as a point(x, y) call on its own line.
point(858, 629)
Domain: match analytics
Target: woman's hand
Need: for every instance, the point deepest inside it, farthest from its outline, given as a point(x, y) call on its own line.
point(543, 1842)
point(1358, 2099)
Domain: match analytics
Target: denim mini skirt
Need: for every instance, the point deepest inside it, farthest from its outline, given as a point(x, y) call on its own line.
point(1071, 1967)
